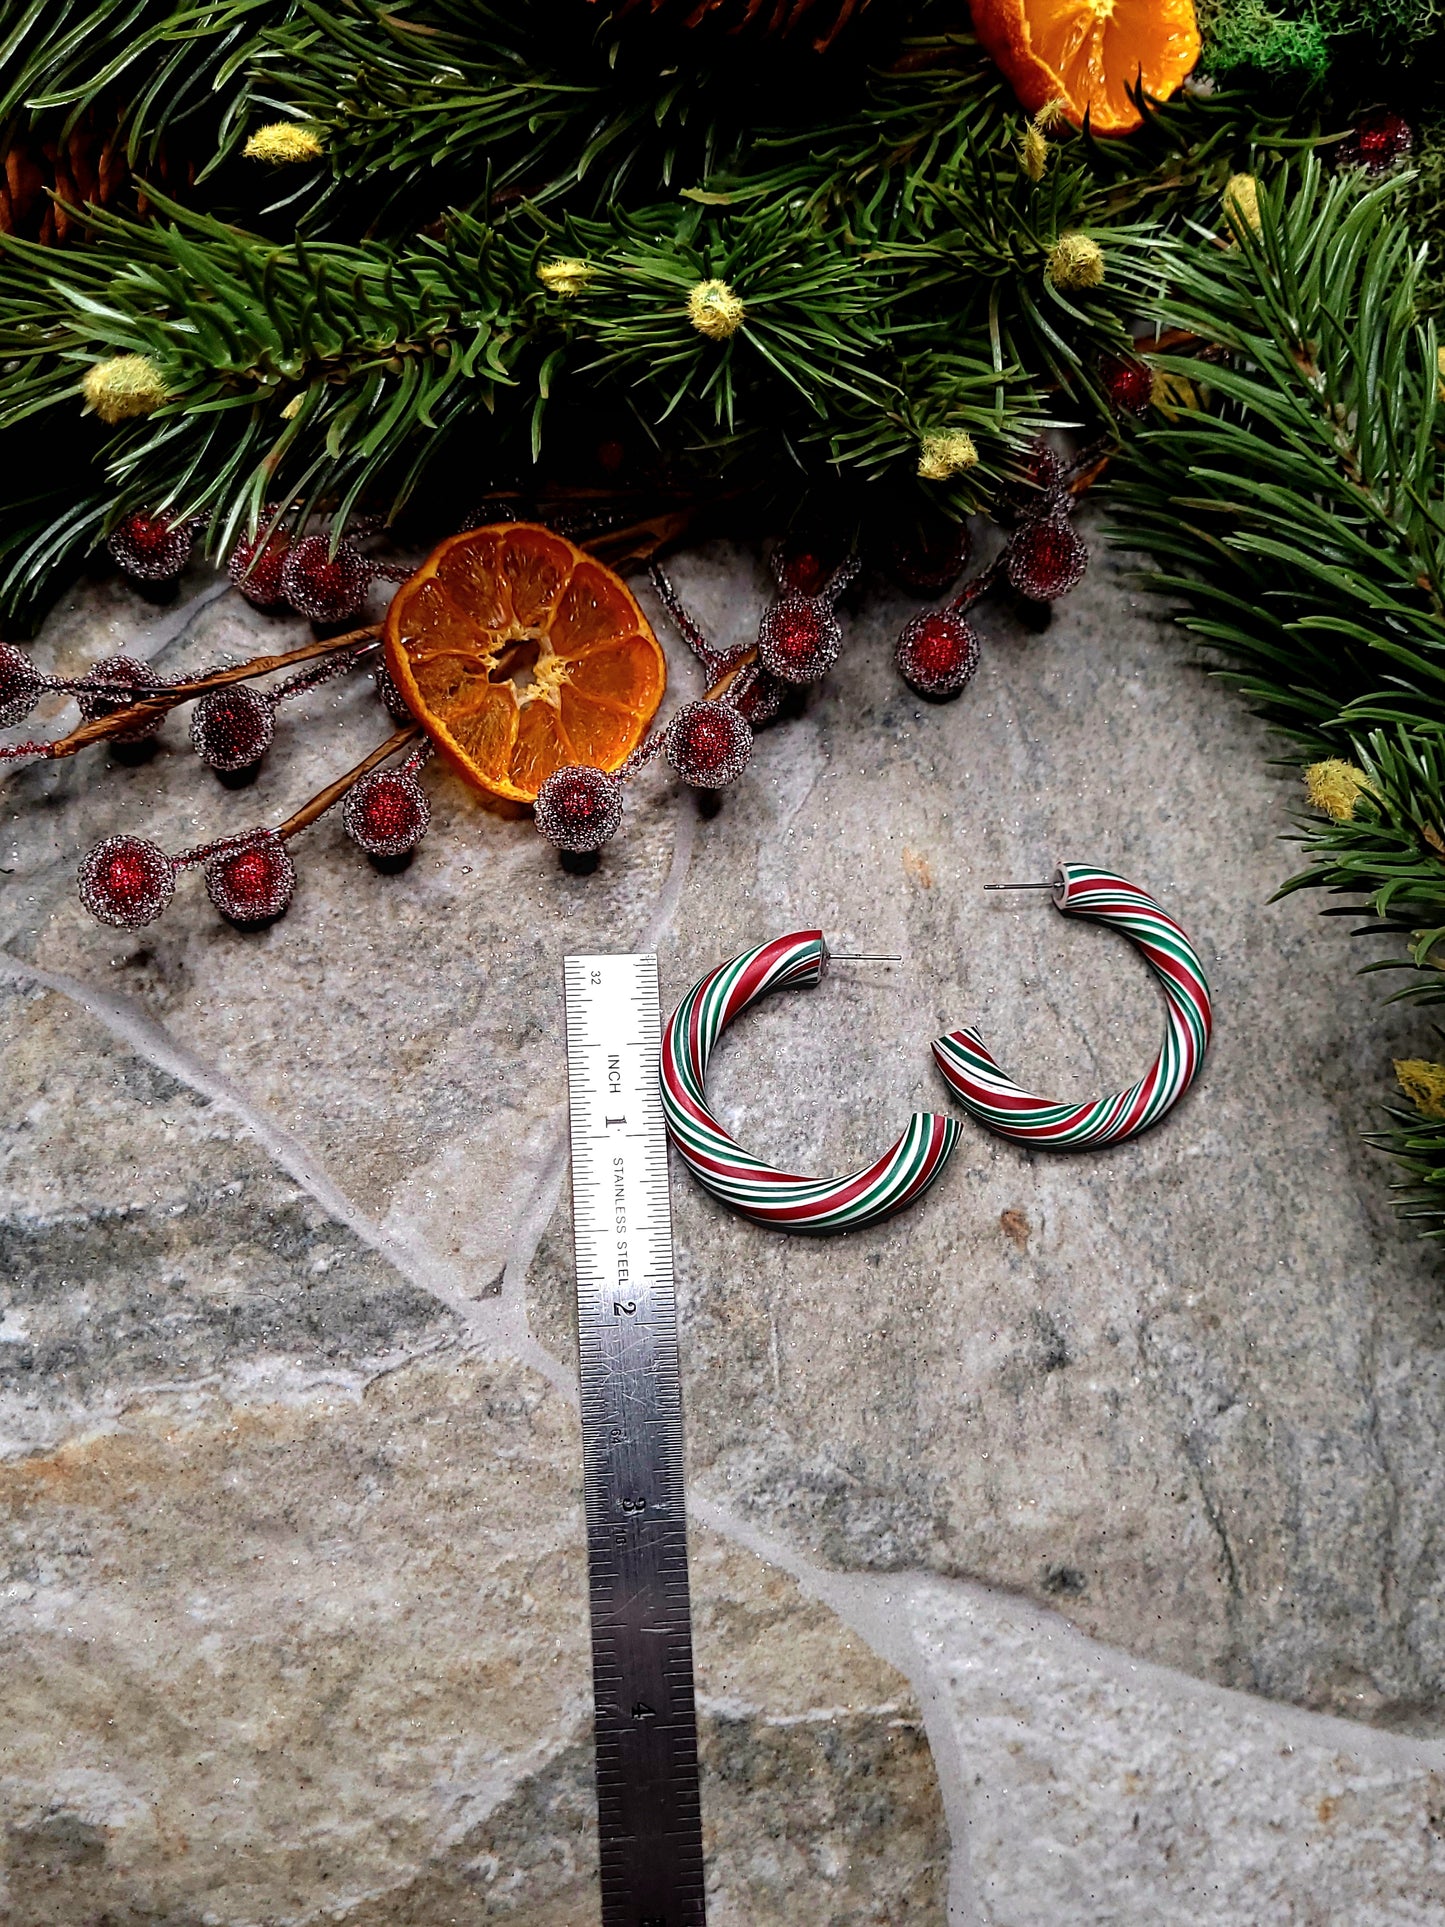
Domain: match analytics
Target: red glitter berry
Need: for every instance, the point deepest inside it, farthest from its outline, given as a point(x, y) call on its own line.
point(1047, 558)
point(1379, 141)
point(1128, 382)
point(387, 812)
point(323, 586)
point(578, 808)
point(929, 561)
point(709, 744)
point(798, 639)
point(802, 567)
point(151, 548)
point(232, 728)
point(391, 696)
point(937, 654)
point(1040, 479)
point(132, 675)
point(761, 702)
point(126, 881)
point(253, 884)
point(1043, 467)
point(20, 685)
point(256, 568)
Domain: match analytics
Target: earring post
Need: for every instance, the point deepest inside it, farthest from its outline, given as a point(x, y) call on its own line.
point(1018, 886)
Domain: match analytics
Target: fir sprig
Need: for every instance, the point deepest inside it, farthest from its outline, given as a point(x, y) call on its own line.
point(302, 370)
point(1296, 510)
point(156, 63)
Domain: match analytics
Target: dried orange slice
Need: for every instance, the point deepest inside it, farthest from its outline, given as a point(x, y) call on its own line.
point(521, 653)
point(1086, 54)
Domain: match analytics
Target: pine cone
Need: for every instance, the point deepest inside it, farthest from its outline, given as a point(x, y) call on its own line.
point(87, 166)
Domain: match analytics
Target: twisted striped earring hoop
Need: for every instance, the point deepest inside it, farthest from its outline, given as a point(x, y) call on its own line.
point(893, 1181)
point(1082, 891)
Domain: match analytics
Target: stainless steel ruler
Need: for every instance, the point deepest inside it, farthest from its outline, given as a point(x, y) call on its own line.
point(649, 1819)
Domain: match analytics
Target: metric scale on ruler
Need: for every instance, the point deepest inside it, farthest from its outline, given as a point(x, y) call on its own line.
point(649, 1819)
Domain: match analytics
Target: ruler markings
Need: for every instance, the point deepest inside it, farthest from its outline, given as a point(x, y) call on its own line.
point(649, 1819)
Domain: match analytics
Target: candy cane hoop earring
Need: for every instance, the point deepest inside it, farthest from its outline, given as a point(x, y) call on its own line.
point(768, 1196)
point(1079, 890)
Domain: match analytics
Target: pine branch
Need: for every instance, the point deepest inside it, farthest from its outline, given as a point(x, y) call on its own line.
point(1297, 512)
point(1301, 504)
point(161, 62)
point(305, 371)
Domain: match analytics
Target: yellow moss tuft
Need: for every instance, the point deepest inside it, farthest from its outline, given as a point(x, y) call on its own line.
point(565, 277)
point(124, 386)
point(1423, 1083)
point(715, 311)
point(1241, 201)
point(282, 143)
point(945, 454)
point(1075, 262)
point(1334, 787)
point(1034, 152)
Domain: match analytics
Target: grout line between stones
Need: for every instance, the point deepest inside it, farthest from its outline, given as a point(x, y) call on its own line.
point(868, 1604)
point(129, 1021)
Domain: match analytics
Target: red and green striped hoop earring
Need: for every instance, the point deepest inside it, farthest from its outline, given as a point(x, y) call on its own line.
point(771, 1197)
point(1079, 890)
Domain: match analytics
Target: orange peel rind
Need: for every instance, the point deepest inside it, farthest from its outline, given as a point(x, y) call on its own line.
point(1085, 55)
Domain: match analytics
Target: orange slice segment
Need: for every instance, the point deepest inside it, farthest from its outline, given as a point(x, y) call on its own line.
point(520, 653)
point(1086, 54)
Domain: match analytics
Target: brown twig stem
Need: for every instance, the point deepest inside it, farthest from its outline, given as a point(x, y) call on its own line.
point(333, 793)
point(101, 728)
point(725, 682)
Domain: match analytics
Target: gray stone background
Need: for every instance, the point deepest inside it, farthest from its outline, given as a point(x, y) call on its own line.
point(1068, 1551)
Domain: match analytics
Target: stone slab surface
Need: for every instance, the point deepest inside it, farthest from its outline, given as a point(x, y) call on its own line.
point(295, 1620)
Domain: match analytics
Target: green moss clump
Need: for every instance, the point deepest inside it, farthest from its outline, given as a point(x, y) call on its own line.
point(1246, 33)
